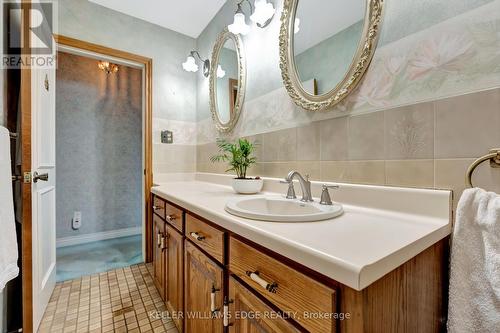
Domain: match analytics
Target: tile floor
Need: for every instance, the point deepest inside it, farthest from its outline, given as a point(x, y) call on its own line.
point(122, 300)
point(96, 257)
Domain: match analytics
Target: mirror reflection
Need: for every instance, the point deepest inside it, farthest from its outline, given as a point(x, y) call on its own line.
point(227, 81)
point(325, 40)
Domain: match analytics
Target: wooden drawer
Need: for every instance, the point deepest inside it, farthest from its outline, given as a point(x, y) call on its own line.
point(205, 236)
point(173, 216)
point(250, 314)
point(159, 206)
point(290, 290)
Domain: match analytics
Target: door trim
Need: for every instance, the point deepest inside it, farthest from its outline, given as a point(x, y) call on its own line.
point(27, 263)
point(26, 223)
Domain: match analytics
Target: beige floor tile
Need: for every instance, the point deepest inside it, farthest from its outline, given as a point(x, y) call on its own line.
point(115, 301)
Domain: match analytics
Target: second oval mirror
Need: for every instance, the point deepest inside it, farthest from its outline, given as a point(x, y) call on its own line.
point(326, 47)
point(227, 81)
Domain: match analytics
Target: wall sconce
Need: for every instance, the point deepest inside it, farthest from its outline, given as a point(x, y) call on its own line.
point(108, 67)
point(262, 15)
point(190, 64)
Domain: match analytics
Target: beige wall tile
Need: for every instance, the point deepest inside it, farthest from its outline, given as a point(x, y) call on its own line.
point(277, 169)
point(367, 172)
point(308, 145)
point(409, 132)
point(366, 137)
point(335, 171)
point(280, 145)
point(468, 125)
point(311, 168)
point(334, 139)
point(413, 173)
point(450, 174)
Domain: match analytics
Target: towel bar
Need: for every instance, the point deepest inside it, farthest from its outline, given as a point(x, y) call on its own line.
point(493, 157)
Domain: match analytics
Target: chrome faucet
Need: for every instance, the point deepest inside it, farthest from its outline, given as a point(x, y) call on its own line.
point(305, 185)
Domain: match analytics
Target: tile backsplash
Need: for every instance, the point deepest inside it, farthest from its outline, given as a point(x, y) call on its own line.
point(429, 145)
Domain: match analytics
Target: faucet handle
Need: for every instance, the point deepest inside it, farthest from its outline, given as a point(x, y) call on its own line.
point(325, 195)
point(291, 190)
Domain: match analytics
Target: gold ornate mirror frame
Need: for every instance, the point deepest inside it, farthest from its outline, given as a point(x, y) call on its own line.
point(359, 65)
point(242, 74)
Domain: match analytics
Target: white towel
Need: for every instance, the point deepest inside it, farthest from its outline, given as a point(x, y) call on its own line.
point(8, 239)
point(475, 264)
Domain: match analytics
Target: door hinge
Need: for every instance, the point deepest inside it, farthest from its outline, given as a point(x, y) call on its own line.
point(27, 177)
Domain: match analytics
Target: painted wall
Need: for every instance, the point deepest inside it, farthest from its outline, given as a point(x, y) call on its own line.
point(329, 71)
point(99, 146)
point(435, 73)
point(174, 90)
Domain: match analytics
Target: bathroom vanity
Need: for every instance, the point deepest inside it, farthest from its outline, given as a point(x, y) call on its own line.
point(379, 267)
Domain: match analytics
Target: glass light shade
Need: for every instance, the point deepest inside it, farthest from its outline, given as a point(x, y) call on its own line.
point(296, 28)
point(263, 12)
point(190, 65)
point(239, 25)
point(220, 72)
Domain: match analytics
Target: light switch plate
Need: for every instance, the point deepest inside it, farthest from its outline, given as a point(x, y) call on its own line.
point(167, 137)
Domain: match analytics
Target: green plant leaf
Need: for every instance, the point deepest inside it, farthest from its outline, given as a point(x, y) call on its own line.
point(238, 155)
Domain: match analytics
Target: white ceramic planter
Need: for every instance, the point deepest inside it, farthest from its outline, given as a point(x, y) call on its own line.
point(247, 186)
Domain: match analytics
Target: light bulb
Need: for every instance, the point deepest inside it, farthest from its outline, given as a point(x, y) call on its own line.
point(239, 25)
point(220, 72)
point(264, 11)
point(296, 28)
point(190, 65)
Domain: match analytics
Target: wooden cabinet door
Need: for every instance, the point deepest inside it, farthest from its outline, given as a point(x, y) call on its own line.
point(159, 258)
point(248, 314)
point(175, 275)
point(201, 275)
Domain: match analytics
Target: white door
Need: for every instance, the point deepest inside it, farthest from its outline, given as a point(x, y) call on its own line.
point(43, 190)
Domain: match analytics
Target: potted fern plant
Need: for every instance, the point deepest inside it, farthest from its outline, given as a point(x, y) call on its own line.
point(239, 156)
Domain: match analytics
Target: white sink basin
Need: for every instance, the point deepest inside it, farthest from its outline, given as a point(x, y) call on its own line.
point(279, 209)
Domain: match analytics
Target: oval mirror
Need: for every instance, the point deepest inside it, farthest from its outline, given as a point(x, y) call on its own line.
point(227, 81)
point(326, 47)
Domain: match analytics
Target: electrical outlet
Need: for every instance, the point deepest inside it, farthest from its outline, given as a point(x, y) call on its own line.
point(76, 223)
point(167, 137)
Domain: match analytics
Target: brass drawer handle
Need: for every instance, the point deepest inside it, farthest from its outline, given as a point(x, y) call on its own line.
point(271, 287)
point(155, 208)
point(197, 236)
point(158, 239)
point(213, 308)
point(163, 244)
point(226, 312)
point(170, 218)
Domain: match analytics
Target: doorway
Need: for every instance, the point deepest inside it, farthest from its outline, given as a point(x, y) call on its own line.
point(33, 83)
point(99, 163)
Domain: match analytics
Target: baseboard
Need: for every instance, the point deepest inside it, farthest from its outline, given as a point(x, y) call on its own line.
point(89, 238)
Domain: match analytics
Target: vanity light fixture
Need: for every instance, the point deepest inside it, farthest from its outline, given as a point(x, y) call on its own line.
point(108, 67)
point(261, 16)
point(190, 64)
point(220, 72)
point(239, 25)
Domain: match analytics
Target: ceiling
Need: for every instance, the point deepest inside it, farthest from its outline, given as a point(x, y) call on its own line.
point(189, 17)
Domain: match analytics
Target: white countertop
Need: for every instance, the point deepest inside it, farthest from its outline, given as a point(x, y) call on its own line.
point(355, 249)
